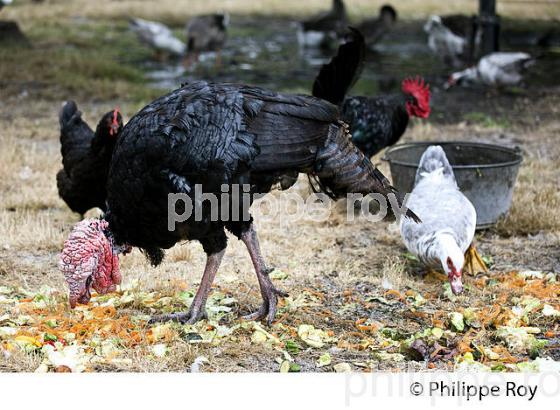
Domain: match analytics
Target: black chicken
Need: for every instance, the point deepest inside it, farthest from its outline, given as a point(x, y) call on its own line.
point(208, 137)
point(375, 122)
point(85, 157)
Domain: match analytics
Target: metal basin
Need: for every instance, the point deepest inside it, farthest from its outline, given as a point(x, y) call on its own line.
point(485, 173)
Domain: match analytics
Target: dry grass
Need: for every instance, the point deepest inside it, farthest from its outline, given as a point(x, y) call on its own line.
point(536, 201)
point(338, 260)
point(176, 11)
point(333, 258)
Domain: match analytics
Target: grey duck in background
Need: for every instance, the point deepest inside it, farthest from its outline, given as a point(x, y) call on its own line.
point(206, 33)
point(323, 29)
point(374, 29)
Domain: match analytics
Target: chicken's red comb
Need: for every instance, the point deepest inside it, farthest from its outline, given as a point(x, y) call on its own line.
point(418, 88)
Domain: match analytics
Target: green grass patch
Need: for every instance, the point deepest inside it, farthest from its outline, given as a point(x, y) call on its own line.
point(485, 120)
point(85, 59)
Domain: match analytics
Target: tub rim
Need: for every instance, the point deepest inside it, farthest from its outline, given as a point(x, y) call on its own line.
point(515, 151)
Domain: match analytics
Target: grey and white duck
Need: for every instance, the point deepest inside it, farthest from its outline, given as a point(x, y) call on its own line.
point(157, 36)
point(494, 69)
point(448, 220)
point(453, 44)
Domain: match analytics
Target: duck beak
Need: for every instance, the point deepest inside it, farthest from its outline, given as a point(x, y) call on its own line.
point(456, 285)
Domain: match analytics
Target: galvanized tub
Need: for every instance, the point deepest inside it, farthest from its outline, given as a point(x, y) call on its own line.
point(485, 173)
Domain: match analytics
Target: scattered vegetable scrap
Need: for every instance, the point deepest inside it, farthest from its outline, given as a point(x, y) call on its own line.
point(514, 329)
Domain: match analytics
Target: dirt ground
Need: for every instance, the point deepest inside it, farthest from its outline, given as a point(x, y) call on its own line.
point(357, 300)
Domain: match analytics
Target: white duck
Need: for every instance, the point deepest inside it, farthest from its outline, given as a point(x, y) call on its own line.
point(448, 220)
point(443, 42)
point(158, 36)
point(495, 69)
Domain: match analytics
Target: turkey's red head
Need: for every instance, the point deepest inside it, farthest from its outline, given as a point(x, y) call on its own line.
point(89, 260)
point(455, 277)
point(419, 104)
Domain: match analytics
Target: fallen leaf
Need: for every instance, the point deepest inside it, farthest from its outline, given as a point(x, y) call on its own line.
point(278, 275)
point(548, 310)
point(324, 360)
point(312, 336)
point(457, 321)
point(342, 368)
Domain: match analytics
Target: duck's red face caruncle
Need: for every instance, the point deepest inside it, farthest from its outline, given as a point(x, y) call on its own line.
point(89, 260)
point(455, 277)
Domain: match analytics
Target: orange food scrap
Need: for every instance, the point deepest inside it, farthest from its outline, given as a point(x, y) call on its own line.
point(62, 369)
point(505, 355)
point(363, 327)
point(464, 347)
point(394, 293)
point(431, 365)
point(438, 323)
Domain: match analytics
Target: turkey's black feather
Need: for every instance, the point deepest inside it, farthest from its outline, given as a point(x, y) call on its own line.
point(217, 136)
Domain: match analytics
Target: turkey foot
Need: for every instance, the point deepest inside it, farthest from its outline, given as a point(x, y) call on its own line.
point(268, 291)
point(190, 317)
point(473, 262)
point(270, 299)
point(197, 310)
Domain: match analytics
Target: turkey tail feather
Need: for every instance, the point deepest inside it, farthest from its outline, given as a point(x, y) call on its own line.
point(342, 168)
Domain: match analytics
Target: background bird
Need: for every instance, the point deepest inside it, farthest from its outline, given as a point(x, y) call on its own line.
point(451, 48)
point(157, 36)
point(375, 28)
point(212, 138)
point(85, 157)
point(323, 29)
point(495, 69)
point(206, 33)
point(375, 122)
point(448, 220)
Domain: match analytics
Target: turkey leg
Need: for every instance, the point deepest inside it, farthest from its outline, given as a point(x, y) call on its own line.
point(268, 291)
point(197, 310)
